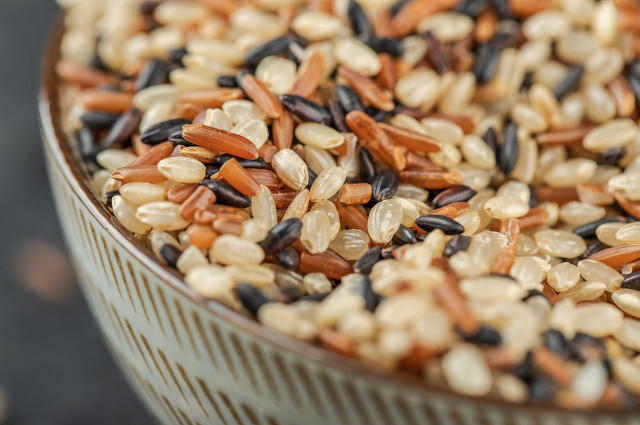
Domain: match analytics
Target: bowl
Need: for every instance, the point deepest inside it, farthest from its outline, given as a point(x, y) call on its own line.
point(195, 362)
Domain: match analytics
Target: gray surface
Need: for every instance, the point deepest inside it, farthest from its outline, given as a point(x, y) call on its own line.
point(52, 361)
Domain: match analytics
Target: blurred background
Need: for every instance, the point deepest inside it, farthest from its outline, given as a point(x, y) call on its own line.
point(54, 367)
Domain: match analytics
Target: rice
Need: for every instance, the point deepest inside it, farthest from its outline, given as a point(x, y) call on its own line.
point(431, 186)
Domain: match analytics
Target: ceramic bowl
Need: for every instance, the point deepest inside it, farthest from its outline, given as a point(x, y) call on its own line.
point(194, 362)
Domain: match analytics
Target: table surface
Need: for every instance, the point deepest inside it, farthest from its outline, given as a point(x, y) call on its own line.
point(53, 363)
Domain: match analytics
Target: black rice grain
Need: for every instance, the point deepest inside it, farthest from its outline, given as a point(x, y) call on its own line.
point(296, 53)
point(312, 176)
point(289, 258)
point(155, 72)
point(384, 185)
point(366, 262)
point(86, 143)
point(503, 9)
point(226, 194)
point(527, 81)
point(228, 81)
point(634, 68)
point(485, 336)
point(305, 109)
point(367, 166)
point(509, 149)
point(436, 53)
point(472, 8)
point(555, 341)
point(377, 114)
point(397, 6)
point(487, 60)
point(404, 236)
point(387, 252)
point(588, 230)
point(634, 83)
point(542, 388)
point(456, 244)
point(594, 247)
point(270, 48)
point(631, 282)
point(392, 46)
point(258, 163)
point(525, 370)
point(533, 199)
point(612, 156)
point(124, 127)
point(162, 131)
point(583, 347)
point(288, 294)
point(338, 116)
point(251, 297)
point(99, 120)
point(359, 20)
point(177, 139)
point(371, 299)
point(170, 254)
point(108, 197)
point(432, 222)
point(281, 236)
point(491, 139)
point(570, 82)
point(348, 99)
point(453, 194)
point(176, 55)
point(315, 297)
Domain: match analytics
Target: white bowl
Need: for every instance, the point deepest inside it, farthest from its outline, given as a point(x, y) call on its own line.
point(194, 362)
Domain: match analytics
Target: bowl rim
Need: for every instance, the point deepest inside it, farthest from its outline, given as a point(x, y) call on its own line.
point(58, 144)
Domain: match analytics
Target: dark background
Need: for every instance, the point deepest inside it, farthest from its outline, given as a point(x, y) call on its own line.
point(53, 363)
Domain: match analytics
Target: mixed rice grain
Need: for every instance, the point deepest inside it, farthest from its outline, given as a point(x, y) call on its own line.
point(448, 189)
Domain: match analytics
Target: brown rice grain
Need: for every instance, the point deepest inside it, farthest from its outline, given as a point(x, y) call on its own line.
point(139, 173)
point(201, 198)
point(239, 178)
point(262, 97)
point(210, 98)
point(411, 140)
point(179, 193)
point(201, 235)
point(331, 265)
point(201, 154)
point(352, 217)
point(220, 140)
point(356, 193)
point(310, 74)
point(618, 255)
point(366, 89)
point(81, 75)
point(283, 130)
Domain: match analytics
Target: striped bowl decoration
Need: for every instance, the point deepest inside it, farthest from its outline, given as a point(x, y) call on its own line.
point(194, 362)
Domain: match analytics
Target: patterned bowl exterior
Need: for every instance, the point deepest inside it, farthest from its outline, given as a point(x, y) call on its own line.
point(198, 363)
